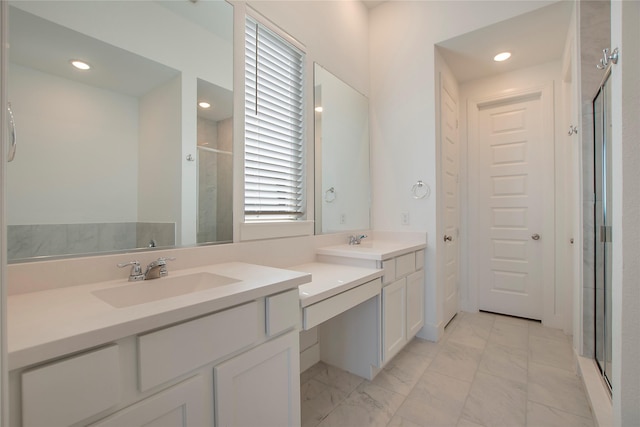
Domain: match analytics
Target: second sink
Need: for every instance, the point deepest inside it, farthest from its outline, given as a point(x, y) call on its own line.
point(159, 289)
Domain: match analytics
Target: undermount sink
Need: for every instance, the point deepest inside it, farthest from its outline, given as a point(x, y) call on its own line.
point(136, 293)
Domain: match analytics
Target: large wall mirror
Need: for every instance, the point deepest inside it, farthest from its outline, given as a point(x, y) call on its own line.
point(134, 152)
point(343, 189)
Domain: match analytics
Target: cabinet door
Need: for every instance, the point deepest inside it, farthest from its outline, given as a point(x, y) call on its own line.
point(260, 387)
point(415, 303)
point(179, 406)
point(394, 312)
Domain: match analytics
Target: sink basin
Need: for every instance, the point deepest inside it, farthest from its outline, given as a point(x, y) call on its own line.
point(158, 289)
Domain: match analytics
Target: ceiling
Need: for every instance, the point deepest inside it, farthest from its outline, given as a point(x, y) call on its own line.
point(532, 38)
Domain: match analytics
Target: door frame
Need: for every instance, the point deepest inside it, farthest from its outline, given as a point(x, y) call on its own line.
point(552, 313)
point(446, 79)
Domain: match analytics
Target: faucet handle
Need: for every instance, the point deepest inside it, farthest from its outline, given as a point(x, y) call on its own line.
point(166, 258)
point(136, 271)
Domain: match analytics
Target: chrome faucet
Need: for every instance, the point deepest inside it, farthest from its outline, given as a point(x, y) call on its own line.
point(136, 271)
point(157, 268)
point(154, 270)
point(355, 239)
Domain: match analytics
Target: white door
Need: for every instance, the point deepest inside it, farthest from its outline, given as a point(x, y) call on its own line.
point(260, 387)
point(394, 318)
point(415, 303)
point(516, 206)
point(450, 161)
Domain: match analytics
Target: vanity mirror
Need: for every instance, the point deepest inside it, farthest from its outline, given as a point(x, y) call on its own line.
point(126, 154)
point(343, 189)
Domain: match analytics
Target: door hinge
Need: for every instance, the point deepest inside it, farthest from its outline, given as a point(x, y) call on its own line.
point(605, 234)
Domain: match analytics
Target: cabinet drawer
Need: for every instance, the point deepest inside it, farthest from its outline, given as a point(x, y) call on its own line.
point(71, 390)
point(330, 307)
point(419, 260)
point(171, 352)
point(405, 264)
point(282, 311)
point(389, 267)
point(181, 405)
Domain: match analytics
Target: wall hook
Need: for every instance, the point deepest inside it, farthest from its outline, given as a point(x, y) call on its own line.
point(607, 58)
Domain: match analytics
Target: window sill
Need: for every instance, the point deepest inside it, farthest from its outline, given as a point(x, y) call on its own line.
point(275, 230)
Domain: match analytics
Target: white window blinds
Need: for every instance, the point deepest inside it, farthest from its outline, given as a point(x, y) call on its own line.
point(274, 126)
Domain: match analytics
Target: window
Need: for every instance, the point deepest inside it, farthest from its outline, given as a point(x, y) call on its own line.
point(274, 126)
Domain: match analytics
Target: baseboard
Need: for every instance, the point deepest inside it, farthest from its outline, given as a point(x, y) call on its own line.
point(309, 357)
point(597, 394)
point(431, 332)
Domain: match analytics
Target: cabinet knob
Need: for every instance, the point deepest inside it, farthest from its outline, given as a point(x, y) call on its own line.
point(448, 238)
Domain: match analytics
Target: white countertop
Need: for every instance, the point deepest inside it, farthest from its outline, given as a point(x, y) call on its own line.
point(48, 324)
point(331, 279)
point(374, 250)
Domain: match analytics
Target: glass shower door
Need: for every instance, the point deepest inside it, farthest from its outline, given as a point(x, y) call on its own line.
point(603, 229)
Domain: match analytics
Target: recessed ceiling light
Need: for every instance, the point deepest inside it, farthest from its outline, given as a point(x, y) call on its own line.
point(80, 65)
point(503, 56)
point(203, 104)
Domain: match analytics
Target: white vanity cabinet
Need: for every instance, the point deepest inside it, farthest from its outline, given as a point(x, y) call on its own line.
point(402, 312)
point(244, 358)
point(402, 296)
point(260, 387)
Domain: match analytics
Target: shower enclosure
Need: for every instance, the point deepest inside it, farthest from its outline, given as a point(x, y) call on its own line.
point(603, 229)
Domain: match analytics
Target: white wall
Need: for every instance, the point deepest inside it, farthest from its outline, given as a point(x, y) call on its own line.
point(403, 84)
point(72, 139)
point(625, 87)
point(159, 184)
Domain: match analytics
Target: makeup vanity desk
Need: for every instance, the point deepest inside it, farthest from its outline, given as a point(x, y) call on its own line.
point(366, 301)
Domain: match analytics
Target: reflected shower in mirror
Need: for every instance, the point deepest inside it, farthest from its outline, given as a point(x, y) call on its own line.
point(107, 156)
point(342, 155)
point(215, 161)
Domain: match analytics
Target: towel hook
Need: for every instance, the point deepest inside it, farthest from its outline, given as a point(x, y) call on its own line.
point(420, 190)
point(330, 195)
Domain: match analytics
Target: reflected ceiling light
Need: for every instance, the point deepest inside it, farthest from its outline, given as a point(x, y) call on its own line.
point(503, 56)
point(204, 104)
point(318, 109)
point(80, 65)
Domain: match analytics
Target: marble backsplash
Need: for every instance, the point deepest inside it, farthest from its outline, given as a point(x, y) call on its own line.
point(38, 240)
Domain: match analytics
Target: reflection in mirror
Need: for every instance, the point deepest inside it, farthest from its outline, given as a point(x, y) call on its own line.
point(102, 159)
point(342, 155)
point(215, 175)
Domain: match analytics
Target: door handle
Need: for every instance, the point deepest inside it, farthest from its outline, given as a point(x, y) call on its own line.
point(447, 238)
point(12, 134)
point(535, 236)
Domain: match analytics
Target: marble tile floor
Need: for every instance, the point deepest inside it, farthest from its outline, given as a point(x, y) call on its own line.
point(487, 370)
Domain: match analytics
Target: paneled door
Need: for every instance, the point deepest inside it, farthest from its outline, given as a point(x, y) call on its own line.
point(516, 206)
point(450, 164)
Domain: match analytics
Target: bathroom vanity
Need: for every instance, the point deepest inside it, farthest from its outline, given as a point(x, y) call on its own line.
point(76, 359)
point(366, 301)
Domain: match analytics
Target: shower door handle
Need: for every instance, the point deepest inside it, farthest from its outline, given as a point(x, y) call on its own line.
point(12, 134)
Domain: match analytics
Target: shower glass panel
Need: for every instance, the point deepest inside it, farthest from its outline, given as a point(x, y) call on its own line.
point(603, 229)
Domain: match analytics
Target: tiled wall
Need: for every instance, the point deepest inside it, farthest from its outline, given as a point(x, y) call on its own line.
point(28, 241)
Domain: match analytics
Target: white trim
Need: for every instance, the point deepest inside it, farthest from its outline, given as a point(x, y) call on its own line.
point(275, 229)
point(4, 387)
point(309, 357)
point(275, 28)
point(546, 93)
point(597, 394)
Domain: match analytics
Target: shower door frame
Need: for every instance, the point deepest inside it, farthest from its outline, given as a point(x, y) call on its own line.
point(602, 228)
